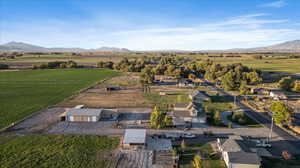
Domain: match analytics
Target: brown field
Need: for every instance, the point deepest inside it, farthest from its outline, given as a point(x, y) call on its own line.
point(130, 94)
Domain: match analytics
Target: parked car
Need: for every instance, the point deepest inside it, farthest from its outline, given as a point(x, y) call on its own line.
point(189, 135)
point(261, 143)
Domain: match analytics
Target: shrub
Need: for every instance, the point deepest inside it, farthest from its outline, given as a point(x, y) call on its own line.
point(4, 66)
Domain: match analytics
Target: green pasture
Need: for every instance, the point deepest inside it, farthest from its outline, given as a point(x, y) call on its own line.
point(25, 92)
point(74, 151)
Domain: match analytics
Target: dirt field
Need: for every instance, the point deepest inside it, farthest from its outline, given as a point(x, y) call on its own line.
point(130, 94)
point(38, 122)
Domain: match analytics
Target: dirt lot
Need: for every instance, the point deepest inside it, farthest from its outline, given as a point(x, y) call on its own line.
point(130, 94)
point(38, 122)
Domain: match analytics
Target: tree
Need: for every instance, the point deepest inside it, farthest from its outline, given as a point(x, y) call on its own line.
point(168, 121)
point(285, 83)
point(253, 77)
point(296, 86)
point(147, 76)
point(228, 81)
point(244, 90)
point(197, 161)
point(281, 113)
point(4, 66)
point(192, 76)
point(157, 118)
point(217, 118)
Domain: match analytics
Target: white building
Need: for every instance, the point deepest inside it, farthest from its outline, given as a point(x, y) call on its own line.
point(83, 115)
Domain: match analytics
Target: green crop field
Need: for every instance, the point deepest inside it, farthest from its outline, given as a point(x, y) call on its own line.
point(74, 151)
point(25, 92)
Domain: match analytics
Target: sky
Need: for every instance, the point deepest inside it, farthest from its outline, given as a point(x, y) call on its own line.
point(150, 24)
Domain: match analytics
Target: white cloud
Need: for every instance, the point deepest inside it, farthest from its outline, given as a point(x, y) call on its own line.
point(237, 32)
point(275, 4)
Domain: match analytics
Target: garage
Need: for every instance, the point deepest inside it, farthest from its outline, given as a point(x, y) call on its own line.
point(83, 115)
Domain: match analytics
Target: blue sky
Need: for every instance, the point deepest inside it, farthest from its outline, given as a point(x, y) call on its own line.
point(150, 24)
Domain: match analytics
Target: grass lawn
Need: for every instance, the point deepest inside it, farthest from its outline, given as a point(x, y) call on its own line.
point(74, 151)
point(170, 98)
point(218, 106)
point(25, 92)
point(208, 160)
point(249, 122)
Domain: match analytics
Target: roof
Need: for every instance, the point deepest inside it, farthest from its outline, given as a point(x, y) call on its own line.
point(180, 105)
point(135, 136)
point(277, 92)
point(231, 145)
point(199, 95)
point(159, 144)
point(181, 113)
point(244, 158)
point(84, 112)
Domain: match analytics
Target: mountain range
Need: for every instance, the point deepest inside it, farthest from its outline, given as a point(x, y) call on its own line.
point(289, 47)
point(24, 47)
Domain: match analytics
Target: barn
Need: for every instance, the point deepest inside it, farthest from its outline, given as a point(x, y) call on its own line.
point(83, 115)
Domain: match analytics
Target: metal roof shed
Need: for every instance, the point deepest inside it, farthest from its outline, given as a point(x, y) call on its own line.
point(88, 115)
point(135, 137)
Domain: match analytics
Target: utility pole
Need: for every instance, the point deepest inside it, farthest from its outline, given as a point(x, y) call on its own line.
point(234, 101)
point(271, 130)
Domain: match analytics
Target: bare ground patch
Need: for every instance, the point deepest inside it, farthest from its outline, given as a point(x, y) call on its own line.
point(130, 94)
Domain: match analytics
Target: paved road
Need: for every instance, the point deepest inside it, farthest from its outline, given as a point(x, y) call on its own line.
point(266, 121)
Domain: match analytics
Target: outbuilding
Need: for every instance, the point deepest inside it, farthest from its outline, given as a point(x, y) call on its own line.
point(134, 139)
point(83, 115)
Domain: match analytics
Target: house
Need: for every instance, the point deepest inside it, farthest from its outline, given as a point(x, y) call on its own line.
point(185, 113)
point(134, 139)
point(199, 96)
point(83, 115)
point(277, 95)
point(239, 153)
point(186, 83)
point(259, 91)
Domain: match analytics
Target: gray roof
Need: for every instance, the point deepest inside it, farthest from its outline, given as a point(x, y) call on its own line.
point(231, 145)
point(135, 136)
point(244, 158)
point(180, 105)
point(84, 112)
point(181, 113)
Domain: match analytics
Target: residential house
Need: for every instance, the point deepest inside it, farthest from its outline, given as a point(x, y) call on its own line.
point(277, 95)
point(199, 96)
point(240, 153)
point(83, 115)
point(259, 91)
point(186, 83)
point(187, 113)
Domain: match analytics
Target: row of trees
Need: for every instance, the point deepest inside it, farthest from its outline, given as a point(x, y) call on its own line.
point(57, 64)
point(233, 77)
point(4, 66)
point(289, 84)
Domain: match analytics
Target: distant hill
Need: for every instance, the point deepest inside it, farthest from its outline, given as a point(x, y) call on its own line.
point(112, 49)
point(19, 46)
point(290, 47)
point(24, 47)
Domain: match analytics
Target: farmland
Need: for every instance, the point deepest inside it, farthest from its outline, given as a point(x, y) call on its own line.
point(25, 92)
point(57, 151)
point(276, 63)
